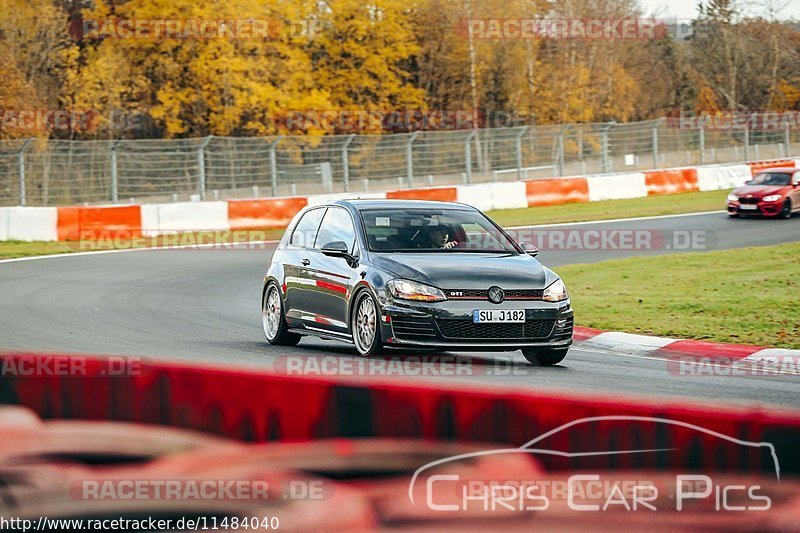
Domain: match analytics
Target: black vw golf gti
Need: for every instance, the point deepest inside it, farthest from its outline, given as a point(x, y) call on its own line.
point(407, 273)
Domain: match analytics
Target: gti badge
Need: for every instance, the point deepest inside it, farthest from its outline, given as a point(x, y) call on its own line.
point(496, 295)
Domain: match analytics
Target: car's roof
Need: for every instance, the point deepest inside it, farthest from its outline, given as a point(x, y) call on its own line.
point(380, 203)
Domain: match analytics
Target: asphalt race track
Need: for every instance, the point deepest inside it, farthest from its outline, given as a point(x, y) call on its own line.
point(204, 305)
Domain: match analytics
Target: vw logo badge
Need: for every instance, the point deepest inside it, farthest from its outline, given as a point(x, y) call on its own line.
point(496, 295)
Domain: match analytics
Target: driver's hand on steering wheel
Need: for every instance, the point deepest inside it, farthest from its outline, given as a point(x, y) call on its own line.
point(450, 244)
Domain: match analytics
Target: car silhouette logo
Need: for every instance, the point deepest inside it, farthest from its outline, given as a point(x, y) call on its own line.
point(496, 295)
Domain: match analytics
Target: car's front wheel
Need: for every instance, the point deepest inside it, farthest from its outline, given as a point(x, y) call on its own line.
point(786, 212)
point(364, 325)
point(544, 357)
point(276, 330)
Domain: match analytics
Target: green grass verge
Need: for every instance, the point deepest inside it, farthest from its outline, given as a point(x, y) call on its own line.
point(746, 296)
point(672, 204)
point(651, 206)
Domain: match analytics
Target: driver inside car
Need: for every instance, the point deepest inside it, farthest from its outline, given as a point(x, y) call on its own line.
point(439, 237)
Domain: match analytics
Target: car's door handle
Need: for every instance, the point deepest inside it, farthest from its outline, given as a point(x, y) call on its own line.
point(306, 262)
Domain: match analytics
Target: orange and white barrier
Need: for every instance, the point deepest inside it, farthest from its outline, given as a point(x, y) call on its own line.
point(32, 224)
point(264, 213)
point(671, 181)
point(616, 186)
point(73, 221)
point(192, 216)
point(488, 196)
point(67, 223)
point(441, 194)
point(716, 177)
point(555, 191)
point(758, 166)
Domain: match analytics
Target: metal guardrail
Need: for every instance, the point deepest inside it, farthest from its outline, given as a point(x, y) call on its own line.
point(58, 172)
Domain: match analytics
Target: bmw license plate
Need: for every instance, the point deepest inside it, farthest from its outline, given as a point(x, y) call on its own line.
point(749, 207)
point(481, 316)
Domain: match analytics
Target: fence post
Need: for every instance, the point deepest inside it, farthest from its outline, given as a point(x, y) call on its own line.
point(201, 167)
point(273, 165)
point(655, 144)
point(518, 149)
point(114, 176)
point(746, 142)
point(23, 197)
point(468, 155)
point(786, 139)
point(702, 144)
point(410, 159)
point(561, 151)
point(605, 162)
point(346, 161)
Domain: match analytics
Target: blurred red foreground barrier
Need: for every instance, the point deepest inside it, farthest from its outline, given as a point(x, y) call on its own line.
point(258, 406)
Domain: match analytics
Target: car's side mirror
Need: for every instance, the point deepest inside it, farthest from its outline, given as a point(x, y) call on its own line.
point(530, 249)
point(748, 182)
point(337, 249)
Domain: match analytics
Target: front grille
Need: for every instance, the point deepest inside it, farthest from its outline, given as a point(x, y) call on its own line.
point(482, 294)
point(413, 328)
point(465, 329)
point(749, 200)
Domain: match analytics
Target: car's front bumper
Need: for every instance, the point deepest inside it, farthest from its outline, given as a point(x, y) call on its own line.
point(449, 325)
point(766, 209)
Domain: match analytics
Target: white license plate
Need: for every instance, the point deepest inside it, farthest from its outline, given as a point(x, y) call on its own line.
point(748, 207)
point(480, 316)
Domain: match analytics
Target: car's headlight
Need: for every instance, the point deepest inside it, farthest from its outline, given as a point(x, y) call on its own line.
point(411, 290)
point(772, 198)
point(556, 292)
point(732, 198)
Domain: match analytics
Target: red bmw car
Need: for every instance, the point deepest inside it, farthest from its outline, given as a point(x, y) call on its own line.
point(775, 192)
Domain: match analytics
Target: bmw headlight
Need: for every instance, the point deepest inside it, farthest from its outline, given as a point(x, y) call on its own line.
point(556, 292)
point(733, 198)
point(772, 198)
point(411, 290)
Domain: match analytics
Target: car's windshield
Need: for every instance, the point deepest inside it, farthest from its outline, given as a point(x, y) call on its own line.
point(425, 230)
point(772, 178)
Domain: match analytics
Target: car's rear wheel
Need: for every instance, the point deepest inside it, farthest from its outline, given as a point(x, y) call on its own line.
point(544, 357)
point(786, 212)
point(276, 330)
point(364, 325)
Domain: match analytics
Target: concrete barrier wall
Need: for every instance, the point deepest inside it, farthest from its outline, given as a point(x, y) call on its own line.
point(66, 223)
point(32, 224)
point(616, 186)
point(4, 223)
point(718, 177)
